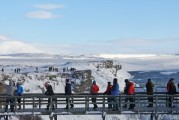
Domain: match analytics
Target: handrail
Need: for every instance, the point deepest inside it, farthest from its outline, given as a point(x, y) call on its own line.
point(36, 104)
point(27, 94)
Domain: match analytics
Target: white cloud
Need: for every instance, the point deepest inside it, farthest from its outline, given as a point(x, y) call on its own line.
point(3, 38)
point(42, 15)
point(10, 46)
point(49, 6)
point(126, 46)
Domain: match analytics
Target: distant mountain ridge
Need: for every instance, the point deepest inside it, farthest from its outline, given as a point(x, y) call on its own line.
point(45, 55)
point(82, 56)
point(28, 55)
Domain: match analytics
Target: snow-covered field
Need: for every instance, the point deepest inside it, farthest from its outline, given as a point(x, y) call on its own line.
point(33, 81)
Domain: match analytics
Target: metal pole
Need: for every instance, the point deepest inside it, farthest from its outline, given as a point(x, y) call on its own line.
point(156, 108)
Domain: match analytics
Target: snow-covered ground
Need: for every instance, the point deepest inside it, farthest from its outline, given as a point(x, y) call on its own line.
point(33, 81)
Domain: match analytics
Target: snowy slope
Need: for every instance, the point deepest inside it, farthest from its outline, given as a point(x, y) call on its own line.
point(33, 81)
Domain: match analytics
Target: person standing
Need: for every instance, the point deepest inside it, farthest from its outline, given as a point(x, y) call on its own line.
point(68, 91)
point(49, 92)
point(126, 89)
point(94, 92)
point(20, 92)
point(129, 90)
point(115, 92)
point(108, 92)
point(150, 91)
point(171, 90)
point(10, 92)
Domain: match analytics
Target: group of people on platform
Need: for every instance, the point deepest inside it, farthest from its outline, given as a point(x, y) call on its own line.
point(112, 90)
point(129, 90)
point(50, 92)
point(171, 90)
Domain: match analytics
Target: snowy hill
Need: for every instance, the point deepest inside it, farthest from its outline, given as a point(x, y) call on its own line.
point(29, 75)
point(33, 80)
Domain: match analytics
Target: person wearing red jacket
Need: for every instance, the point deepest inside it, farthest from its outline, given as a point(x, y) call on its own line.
point(131, 91)
point(94, 91)
point(108, 92)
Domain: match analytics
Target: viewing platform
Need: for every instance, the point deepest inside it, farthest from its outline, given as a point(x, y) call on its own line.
point(35, 104)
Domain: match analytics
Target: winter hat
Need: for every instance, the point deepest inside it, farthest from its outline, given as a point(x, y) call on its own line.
point(126, 80)
point(115, 80)
point(67, 80)
point(94, 82)
point(19, 83)
point(47, 83)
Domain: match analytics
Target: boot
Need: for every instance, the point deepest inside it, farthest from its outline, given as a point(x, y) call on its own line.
point(71, 105)
point(47, 107)
point(19, 107)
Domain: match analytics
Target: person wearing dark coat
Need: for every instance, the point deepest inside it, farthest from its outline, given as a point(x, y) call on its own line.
point(49, 92)
point(171, 91)
point(68, 92)
point(150, 91)
point(126, 91)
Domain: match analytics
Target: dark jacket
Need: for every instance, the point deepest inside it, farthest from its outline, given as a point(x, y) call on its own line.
point(126, 89)
point(149, 87)
point(49, 90)
point(172, 89)
point(68, 89)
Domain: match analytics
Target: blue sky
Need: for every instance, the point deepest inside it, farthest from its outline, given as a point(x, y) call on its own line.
point(89, 26)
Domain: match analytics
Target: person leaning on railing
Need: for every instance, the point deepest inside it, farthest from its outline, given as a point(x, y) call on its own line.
point(49, 92)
